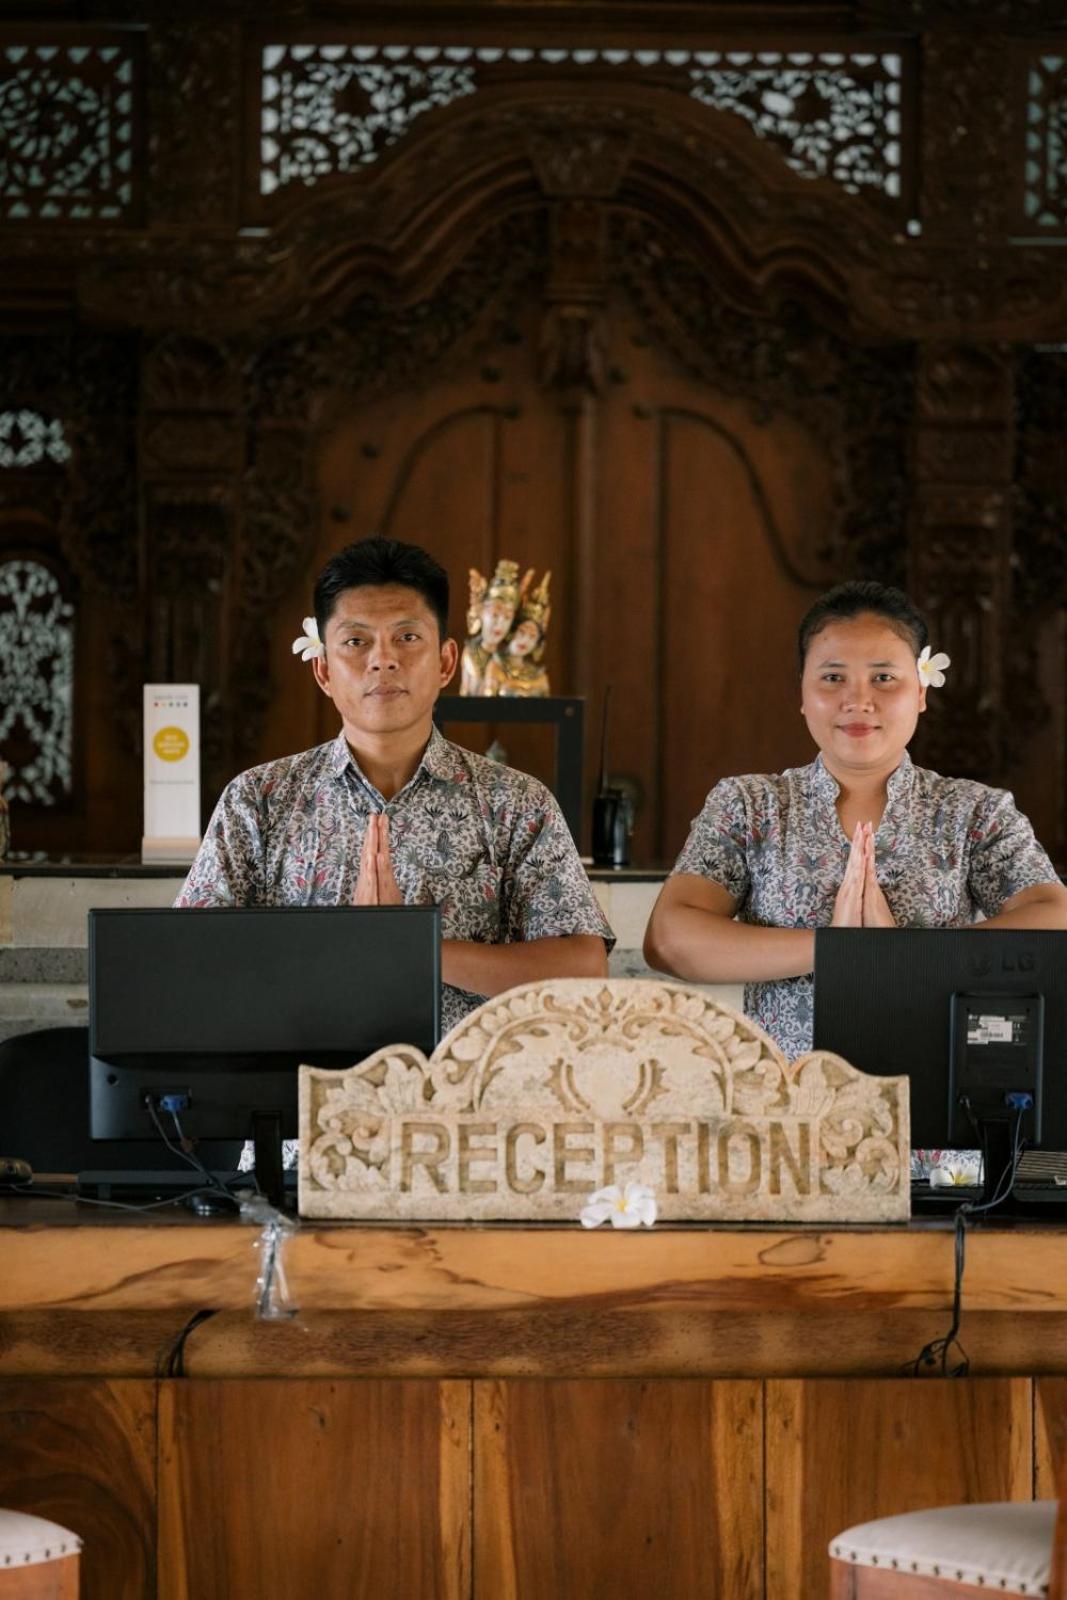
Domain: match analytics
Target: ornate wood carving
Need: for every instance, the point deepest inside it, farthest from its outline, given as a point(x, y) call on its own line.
point(572, 351)
point(857, 402)
point(960, 547)
point(70, 126)
point(1039, 554)
point(193, 150)
point(970, 122)
point(780, 254)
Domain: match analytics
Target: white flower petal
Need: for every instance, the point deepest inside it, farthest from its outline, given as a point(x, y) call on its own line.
point(629, 1208)
point(309, 645)
point(641, 1203)
point(625, 1219)
point(931, 668)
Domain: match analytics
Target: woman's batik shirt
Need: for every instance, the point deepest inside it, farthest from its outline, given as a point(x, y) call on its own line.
point(486, 843)
point(945, 849)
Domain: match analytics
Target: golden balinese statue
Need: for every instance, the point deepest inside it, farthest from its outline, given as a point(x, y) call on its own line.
point(490, 613)
point(517, 669)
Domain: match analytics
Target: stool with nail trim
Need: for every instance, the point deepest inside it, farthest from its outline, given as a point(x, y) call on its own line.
point(38, 1559)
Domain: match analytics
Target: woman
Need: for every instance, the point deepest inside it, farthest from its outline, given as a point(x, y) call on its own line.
point(860, 838)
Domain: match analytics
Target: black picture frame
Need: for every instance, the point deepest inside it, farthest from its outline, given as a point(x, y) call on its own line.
point(566, 713)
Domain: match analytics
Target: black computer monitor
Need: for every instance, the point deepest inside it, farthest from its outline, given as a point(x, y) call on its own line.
point(975, 1017)
point(210, 1012)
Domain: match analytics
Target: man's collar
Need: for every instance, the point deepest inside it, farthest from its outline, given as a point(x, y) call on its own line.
point(439, 760)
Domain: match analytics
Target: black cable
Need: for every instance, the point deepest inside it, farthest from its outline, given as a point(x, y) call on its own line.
point(32, 1192)
point(936, 1353)
point(186, 1151)
point(173, 1365)
point(212, 1183)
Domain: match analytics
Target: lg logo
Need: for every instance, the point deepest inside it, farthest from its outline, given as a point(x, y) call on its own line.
point(981, 966)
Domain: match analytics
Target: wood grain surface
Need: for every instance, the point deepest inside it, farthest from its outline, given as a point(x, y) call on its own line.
point(840, 1453)
point(1050, 1436)
point(83, 1453)
point(147, 1267)
point(543, 1341)
point(593, 1489)
point(332, 1490)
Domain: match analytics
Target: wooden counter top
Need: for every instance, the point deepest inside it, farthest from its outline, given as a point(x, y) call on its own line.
point(67, 1258)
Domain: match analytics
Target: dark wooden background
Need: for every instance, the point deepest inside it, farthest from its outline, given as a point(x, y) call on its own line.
point(576, 317)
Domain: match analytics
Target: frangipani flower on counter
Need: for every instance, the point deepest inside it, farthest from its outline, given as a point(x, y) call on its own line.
point(623, 1208)
point(957, 1168)
point(931, 669)
point(309, 641)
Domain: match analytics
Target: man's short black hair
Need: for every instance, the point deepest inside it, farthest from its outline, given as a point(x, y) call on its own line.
point(373, 563)
point(857, 598)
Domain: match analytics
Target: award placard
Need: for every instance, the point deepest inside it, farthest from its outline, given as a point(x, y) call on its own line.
point(171, 772)
point(553, 1090)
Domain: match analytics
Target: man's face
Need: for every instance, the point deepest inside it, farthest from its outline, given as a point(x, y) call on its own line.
point(385, 663)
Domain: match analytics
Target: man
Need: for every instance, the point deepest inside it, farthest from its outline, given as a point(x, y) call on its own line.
point(391, 812)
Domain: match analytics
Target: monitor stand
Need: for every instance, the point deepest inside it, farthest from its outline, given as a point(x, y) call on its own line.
point(996, 1143)
point(267, 1147)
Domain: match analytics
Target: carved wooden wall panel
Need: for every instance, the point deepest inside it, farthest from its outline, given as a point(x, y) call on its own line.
point(695, 508)
point(243, 242)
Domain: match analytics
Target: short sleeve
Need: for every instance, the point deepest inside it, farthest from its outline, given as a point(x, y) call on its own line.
point(716, 846)
point(546, 893)
point(1005, 857)
point(228, 868)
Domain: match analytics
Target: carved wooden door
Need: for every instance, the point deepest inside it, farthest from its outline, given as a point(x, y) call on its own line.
point(682, 530)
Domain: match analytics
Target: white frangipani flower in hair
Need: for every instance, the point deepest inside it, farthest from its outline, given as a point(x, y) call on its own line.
point(623, 1208)
point(931, 669)
point(309, 642)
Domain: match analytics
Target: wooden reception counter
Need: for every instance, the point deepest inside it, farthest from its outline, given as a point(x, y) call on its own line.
point(508, 1411)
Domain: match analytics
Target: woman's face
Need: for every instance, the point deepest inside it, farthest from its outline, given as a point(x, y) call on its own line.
point(861, 695)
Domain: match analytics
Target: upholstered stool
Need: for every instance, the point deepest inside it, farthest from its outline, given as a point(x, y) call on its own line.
point(1003, 1549)
point(38, 1559)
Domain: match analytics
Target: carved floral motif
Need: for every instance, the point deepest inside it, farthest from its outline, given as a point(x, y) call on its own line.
point(327, 109)
point(626, 1077)
point(67, 129)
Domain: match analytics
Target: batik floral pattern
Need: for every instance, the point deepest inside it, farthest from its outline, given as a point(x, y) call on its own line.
point(946, 850)
point(486, 843)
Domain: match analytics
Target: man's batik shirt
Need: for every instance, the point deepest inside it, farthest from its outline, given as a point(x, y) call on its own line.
point(486, 843)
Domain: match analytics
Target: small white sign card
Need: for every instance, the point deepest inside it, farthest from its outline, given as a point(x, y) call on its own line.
point(171, 772)
point(555, 1089)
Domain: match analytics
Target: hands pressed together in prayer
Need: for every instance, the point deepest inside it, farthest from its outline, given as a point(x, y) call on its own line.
point(860, 902)
point(376, 884)
point(467, 963)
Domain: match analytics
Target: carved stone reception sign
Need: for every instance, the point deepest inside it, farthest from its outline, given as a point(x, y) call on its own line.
point(555, 1089)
